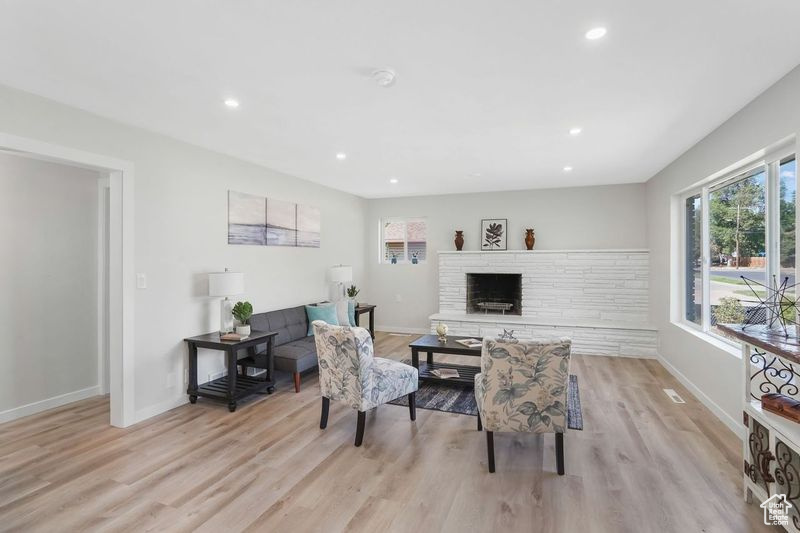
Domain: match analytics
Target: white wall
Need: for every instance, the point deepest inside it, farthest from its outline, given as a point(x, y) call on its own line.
point(712, 372)
point(570, 218)
point(48, 279)
point(181, 234)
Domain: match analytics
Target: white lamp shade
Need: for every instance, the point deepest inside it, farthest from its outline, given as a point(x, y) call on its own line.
point(225, 283)
point(341, 274)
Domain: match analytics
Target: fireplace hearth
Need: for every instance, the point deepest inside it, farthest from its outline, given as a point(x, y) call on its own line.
point(496, 294)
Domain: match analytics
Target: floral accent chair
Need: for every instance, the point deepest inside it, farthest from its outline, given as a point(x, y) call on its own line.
point(349, 373)
point(522, 387)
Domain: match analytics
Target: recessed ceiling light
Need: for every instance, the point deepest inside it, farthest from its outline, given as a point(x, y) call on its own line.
point(567, 169)
point(596, 33)
point(232, 103)
point(393, 181)
point(575, 131)
point(341, 156)
point(384, 77)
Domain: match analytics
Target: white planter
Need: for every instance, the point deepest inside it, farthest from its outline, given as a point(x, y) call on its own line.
point(243, 330)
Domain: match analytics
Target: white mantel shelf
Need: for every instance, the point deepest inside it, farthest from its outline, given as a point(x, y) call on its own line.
point(587, 251)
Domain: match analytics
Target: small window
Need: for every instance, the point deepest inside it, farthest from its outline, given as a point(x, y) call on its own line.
point(694, 260)
point(403, 241)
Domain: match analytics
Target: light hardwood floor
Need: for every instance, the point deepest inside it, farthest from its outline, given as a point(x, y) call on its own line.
point(642, 463)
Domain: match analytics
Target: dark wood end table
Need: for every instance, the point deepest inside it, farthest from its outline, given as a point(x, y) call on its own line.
point(367, 308)
point(430, 345)
point(232, 387)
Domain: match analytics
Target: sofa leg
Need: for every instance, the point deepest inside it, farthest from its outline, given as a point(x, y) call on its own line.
point(297, 381)
point(323, 421)
point(362, 418)
point(412, 405)
point(560, 453)
point(490, 449)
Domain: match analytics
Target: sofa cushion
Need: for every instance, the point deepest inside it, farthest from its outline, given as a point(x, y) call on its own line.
point(324, 312)
point(296, 356)
point(290, 324)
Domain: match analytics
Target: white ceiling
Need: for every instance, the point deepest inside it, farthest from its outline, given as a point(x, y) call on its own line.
point(485, 95)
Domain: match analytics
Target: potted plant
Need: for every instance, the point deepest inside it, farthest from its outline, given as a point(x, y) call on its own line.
point(352, 292)
point(242, 312)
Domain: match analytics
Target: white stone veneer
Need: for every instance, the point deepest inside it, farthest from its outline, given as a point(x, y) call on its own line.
point(599, 298)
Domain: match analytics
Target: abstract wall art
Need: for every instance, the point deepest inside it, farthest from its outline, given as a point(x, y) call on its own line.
point(256, 220)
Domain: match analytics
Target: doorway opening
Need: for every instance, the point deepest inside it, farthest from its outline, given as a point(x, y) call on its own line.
point(114, 262)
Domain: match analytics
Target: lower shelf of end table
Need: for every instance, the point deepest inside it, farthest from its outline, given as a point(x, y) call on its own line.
point(218, 389)
point(466, 373)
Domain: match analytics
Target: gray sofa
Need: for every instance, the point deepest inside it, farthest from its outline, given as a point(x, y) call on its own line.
point(294, 351)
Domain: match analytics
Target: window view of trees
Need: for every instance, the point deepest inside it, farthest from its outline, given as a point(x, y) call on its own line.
point(738, 223)
point(738, 241)
point(744, 225)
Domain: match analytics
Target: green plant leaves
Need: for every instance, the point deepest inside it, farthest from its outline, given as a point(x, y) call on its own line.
point(242, 311)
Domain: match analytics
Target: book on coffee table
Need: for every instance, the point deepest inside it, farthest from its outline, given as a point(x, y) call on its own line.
point(445, 373)
point(470, 343)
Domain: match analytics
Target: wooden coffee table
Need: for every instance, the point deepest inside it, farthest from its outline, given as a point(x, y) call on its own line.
point(430, 345)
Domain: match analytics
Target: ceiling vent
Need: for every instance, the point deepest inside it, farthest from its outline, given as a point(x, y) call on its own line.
point(384, 77)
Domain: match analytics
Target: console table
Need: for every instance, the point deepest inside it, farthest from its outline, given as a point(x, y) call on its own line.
point(232, 387)
point(771, 364)
point(367, 308)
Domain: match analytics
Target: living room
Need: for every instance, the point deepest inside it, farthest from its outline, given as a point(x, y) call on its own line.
point(491, 267)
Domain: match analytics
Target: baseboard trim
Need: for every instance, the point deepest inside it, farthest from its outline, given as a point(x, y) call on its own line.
point(48, 403)
point(159, 408)
point(712, 406)
point(400, 329)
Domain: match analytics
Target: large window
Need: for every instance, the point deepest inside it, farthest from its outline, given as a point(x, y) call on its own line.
point(403, 240)
point(739, 229)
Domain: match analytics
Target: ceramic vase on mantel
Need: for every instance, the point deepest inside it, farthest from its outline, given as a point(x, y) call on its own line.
point(459, 239)
point(530, 239)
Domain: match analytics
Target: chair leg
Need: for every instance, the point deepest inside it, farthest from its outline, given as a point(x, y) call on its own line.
point(412, 405)
point(297, 381)
point(362, 418)
point(323, 421)
point(560, 453)
point(480, 424)
point(490, 449)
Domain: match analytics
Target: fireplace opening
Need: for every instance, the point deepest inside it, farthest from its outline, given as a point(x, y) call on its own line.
point(494, 294)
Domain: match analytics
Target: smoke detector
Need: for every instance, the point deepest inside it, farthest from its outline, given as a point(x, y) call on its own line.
point(384, 77)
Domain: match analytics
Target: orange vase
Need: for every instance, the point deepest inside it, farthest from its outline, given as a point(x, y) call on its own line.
point(459, 239)
point(530, 239)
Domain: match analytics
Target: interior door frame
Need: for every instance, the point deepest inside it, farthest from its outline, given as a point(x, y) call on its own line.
point(122, 281)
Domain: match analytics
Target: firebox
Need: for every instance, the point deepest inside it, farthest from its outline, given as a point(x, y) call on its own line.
point(499, 294)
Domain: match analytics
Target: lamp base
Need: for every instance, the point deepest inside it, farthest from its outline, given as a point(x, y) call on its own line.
point(225, 316)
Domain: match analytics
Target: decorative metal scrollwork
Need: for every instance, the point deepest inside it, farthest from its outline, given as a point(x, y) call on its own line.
point(787, 476)
point(759, 471)
point(773, 375)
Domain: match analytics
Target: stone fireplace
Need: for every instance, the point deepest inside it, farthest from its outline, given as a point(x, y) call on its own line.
point(598, 298)
point(499, 294)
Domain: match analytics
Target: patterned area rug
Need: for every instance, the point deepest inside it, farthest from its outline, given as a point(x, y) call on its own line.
point(458, 399)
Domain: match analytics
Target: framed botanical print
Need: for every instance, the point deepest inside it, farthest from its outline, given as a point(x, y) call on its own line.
point(493, 234)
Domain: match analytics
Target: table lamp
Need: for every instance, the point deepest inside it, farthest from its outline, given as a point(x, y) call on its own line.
point(340, 275)
point(225, 284)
